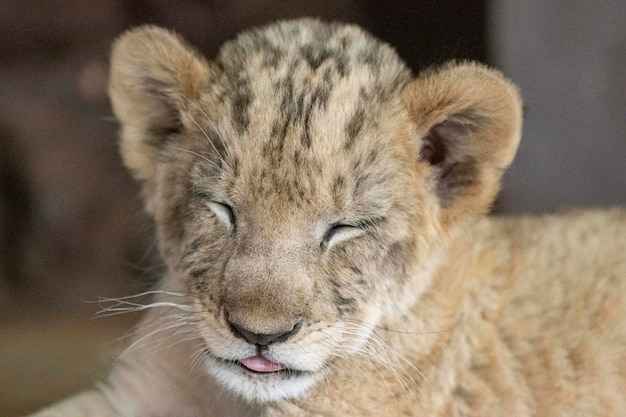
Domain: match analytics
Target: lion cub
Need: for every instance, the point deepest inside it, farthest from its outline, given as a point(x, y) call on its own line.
point(320, 212)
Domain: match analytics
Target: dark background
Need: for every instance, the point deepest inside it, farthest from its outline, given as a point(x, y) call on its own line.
point(71, 224)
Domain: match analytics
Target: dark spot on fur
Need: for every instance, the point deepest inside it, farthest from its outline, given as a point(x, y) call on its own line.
point(315, 57)
point(287, 95)
point(354, 127)
point(272, 57)
point(339, 182)
point(359, 273)
point(357, 166)
point(193, 247)
point(338, 189)
point(280, 128)
point(302, 194)
point(274, 146)
point(371, 57)
point(307, 104)
point(200, 285)
point(242, 97)
point(198, 273)
point(343, 304)
point(371, 158)
point(320, 96)
point(342, 65)
point(305, 139)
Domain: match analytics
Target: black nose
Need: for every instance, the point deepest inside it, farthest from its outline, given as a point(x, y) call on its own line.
point(262, 339)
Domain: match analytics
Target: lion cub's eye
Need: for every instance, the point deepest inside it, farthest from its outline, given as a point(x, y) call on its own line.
point(338, 233)
point(224, 213)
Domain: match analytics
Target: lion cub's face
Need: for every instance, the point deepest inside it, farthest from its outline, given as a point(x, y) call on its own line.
point(287, 251)
point(301, 184)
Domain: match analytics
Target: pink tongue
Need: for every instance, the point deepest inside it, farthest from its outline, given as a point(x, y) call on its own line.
point(261, 364)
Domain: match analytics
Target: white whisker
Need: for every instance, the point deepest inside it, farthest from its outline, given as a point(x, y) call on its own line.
point(208, 119)
point(152, 292)
point(123, 305)
point(208, 138)
point(207, 160)
point(137, 343)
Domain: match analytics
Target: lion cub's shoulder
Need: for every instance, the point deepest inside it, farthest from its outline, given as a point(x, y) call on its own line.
point(575, 247)
point(587, 232)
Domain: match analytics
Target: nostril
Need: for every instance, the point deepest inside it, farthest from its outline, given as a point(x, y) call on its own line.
point(262, 339)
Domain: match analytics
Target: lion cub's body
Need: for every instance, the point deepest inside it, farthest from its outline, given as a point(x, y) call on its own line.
point(320, 214)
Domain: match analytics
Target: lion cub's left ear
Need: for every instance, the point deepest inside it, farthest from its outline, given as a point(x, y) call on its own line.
point(468, 120)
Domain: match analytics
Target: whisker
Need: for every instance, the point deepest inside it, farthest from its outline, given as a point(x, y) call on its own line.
point(143, 294)
point(197, 357)
point(113, 311)
point(137, 343)
point(191, 117)
point(218, 154)
point(207, 160)
point(122, 305)
point(208, 119)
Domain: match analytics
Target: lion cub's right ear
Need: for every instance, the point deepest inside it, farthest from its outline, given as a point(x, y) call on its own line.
point(152, 72)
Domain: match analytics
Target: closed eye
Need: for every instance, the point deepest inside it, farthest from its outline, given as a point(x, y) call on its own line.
point(224, 213)
point(338, 233)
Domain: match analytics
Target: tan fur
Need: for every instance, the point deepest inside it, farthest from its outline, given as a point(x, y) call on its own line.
point(414, 304)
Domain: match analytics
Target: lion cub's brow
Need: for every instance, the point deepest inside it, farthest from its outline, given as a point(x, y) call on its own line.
point(302, 65)
point(304, 102)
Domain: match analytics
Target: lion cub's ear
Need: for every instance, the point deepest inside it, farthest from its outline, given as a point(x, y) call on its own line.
point(152, 72)
point(468, 120)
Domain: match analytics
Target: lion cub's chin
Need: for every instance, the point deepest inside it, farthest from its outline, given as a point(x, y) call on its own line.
point(261, 387)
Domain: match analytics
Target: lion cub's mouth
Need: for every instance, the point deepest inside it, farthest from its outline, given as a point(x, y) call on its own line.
point(261, 364)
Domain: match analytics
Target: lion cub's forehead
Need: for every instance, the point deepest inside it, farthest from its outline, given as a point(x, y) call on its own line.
point(301, 100)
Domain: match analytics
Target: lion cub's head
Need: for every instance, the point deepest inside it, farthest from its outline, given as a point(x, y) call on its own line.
point(302, 184)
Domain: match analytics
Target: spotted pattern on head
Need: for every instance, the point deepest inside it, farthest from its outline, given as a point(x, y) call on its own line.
point(299, 95)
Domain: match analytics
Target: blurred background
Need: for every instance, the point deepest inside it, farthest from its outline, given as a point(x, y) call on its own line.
point(71, 224)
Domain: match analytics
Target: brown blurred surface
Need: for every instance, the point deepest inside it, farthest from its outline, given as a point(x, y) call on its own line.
point(45, 358)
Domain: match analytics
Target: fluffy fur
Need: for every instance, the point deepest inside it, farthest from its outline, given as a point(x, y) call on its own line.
point(306, 188)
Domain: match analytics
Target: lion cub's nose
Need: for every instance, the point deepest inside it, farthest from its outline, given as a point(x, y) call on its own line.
point(262, 339)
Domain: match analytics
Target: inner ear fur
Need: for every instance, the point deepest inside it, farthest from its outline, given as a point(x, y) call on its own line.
point(152, 70)
point(468, 122)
